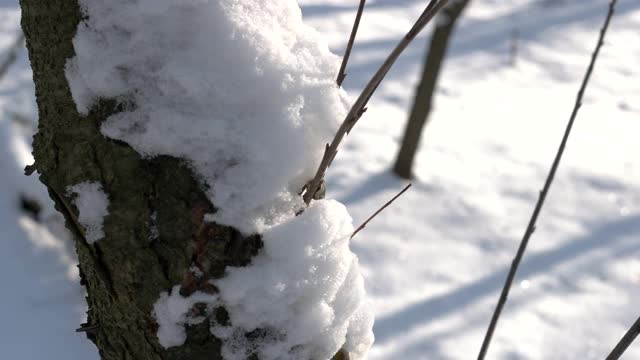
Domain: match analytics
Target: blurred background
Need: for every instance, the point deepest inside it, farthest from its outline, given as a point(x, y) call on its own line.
point(434, 263)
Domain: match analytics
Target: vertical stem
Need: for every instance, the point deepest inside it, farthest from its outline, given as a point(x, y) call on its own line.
point(543, 194)
point(342, 74)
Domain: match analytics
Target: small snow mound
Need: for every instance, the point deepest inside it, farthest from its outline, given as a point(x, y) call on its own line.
point(172, 313)
point(92, 204)
point(304, 291)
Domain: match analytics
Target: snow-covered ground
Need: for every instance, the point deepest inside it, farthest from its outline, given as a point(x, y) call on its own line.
point(434, 263)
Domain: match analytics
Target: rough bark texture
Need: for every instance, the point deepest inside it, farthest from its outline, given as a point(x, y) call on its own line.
point(424, 94)
point(125, 272)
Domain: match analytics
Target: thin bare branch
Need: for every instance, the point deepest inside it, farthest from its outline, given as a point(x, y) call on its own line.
point(543, 194)
point(625, 342)
point(342, 74)
point(359, 107)
point(430, 5)
point(364, 224)
point(79, 231)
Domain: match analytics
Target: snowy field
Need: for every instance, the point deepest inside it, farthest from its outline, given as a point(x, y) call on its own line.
point(433, 263)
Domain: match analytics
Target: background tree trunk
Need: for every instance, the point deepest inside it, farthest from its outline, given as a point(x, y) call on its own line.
point(125, 272)
point(423, 99)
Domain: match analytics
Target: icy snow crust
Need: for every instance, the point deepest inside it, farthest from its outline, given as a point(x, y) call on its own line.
point(240, 88)
point(92, 204)
point(245, 92)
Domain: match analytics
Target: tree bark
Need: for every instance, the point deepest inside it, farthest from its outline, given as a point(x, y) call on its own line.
point(125, 272)
point(423, 99)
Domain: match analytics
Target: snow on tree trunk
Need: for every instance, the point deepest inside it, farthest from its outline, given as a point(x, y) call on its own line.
point(199, 122)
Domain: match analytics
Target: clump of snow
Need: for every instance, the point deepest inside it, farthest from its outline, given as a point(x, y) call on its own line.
point(92, 204)
point(303, 294)
point(242, 89)
point(246, 93)
point(304, 289)
point(172, 312)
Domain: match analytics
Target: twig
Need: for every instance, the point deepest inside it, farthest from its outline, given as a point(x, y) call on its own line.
point(359, 107)
point(543, 194)
point(88, 328)
point(626, 340)
point(67, 210)
point(79, 231)
point(364, 224)
point(352, 38)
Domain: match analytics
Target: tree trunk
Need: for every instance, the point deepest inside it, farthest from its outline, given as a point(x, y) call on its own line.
point(154, 231)
point(423, 99)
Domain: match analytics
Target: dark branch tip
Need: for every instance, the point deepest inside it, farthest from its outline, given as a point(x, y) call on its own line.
point(30, 169)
